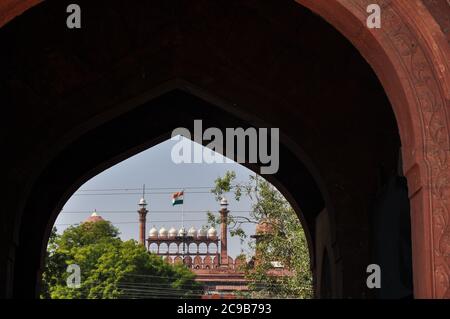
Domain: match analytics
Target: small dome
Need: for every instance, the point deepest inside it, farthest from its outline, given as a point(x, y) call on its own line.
point(201, 233)
point(212, 233)
point(182, 232)
point(192, 232)
point(153, 233)
point(94, 217)
point(163, 232)
point(142, 202)
point(223, 202)
point(172, 232)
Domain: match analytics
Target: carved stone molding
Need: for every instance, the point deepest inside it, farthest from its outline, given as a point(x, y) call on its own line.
point(409, 54)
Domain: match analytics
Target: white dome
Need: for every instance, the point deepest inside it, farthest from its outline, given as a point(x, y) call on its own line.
point(192, 232)
point(212, 233)
point(172, 232)
point(224, 201)
point(153, 233)
point(201, 233)
point(142, 202)
point(163, 232)
point(182, 231)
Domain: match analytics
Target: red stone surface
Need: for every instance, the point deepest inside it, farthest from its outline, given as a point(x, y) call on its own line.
point(409, 55)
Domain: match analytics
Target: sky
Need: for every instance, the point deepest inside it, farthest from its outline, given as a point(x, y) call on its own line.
point(115, 193)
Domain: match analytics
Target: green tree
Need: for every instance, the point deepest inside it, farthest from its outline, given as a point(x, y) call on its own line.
point(110, 267)
point(285, 242)
point(54, 264)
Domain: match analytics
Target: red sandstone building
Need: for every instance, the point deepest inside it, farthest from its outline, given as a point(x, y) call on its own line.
point(203, 251)
point(221, 275)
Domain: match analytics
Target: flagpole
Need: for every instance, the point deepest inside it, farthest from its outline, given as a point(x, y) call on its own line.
point(182, 212)
point(182, 225)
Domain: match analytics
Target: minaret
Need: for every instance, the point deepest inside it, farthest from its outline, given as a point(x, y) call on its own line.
point(223, 232)
point(142, 218)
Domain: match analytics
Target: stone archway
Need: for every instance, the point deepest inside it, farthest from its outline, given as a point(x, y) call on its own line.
point(409, 54)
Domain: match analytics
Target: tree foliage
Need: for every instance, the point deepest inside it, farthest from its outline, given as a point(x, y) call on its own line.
point(285, 244)
point(110, 267)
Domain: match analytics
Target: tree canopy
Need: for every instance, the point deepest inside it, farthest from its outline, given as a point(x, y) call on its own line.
point(110, 267)
point(283, 244)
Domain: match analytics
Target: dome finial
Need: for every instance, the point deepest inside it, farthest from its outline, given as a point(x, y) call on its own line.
point(153, 232)
point(94, 217)
point(223, 203)
point(163, 233)
point(212, 233)
point(172, 232)
point(143, 202)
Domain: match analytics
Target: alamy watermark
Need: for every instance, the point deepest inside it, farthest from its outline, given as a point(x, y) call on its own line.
point(374, 279)
point(74, 279)
point(374, 19)
point(242, 145)
point(73, 21)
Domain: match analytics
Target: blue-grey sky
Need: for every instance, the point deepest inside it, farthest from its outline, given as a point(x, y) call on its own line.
point(161, 176)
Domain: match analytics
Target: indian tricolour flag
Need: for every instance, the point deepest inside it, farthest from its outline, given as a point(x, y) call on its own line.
point(177, 198)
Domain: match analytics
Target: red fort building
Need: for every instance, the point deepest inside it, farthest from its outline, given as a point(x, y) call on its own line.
point(203, 251)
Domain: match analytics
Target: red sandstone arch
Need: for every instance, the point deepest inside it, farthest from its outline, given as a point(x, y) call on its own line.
point(207, 262)
point(9, 9)
point(410, 55)
point(178, 260)
point(188, 261)
point(198, 262)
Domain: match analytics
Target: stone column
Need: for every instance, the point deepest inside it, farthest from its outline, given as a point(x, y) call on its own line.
point(223, 232)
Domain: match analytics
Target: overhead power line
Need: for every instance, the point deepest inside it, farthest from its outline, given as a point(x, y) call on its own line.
point(136, 193)
point(151, 221)
point(150, 188)
point(140, 189)
point(151, 211)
